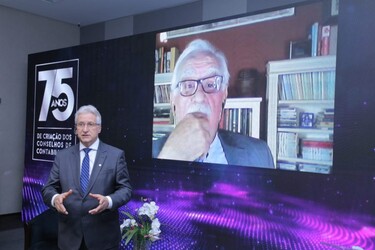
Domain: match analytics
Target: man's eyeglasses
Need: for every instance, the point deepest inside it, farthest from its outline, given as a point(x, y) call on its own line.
point(209, 84)
point(89, 125)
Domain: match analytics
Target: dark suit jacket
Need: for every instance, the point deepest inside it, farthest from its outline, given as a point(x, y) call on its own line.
point(109, 177)
point(238, 149)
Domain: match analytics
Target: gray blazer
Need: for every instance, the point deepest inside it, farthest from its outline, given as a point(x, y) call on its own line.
point(109, 177)
point(238, 149)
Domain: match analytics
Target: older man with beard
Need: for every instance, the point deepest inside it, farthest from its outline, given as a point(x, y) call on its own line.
point(198, 92)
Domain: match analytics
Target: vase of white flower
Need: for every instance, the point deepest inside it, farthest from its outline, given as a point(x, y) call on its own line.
point(141, 244)
point(143, 229)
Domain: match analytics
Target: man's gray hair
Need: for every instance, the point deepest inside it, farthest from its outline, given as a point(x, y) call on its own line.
point(201, 46)
point(88, 109)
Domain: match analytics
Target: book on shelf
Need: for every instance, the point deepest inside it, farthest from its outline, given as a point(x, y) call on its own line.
point(161, 121)
point(333, 40)
point(324, 40)
point(288, 117)
point(167, 62)
point(161, 52)
point(246, 116)
point(288, 144)
point(329, 111)
point(156, 61)
point(314, 168)
point(325, 119)
point(175, 53)
point(287, 166)
point(237, 120)
point(325, 125)
point(163, 115)
point(162, 112)
point(165, 59)
point(293, 117)
point(314, 34)
point(328, 40)
point(307, 86)
point(321, 150)
point(328, 118)
point(162, 93)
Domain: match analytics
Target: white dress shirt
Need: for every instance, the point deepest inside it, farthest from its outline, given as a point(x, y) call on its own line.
point(216, 153)
point(92, 155)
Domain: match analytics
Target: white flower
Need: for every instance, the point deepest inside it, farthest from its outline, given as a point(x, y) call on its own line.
point(124, 224)
point(155, 223)
point(133, 230)
point(133, 223)
point(149, 209)
point(128, 223)
point(155, 230)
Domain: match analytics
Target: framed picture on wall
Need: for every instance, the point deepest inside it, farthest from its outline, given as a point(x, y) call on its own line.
point(334, 7)
point(306, 120)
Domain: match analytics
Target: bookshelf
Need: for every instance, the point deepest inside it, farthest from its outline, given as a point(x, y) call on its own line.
point(165, 61)
point(300, 97)
point(163, 118)
point(241, 115)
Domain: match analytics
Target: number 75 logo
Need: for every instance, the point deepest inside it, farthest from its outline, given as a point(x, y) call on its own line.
point(54, 90)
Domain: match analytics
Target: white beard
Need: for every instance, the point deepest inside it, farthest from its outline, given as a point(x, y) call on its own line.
point(200, 108)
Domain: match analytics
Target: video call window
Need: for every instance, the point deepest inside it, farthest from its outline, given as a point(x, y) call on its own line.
point(269, 105)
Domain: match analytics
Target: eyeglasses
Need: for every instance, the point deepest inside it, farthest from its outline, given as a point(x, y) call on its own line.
point(209, 84)
point(89, 125)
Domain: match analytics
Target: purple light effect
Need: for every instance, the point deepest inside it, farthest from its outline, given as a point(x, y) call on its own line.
point(33, 204)
point(263, 220)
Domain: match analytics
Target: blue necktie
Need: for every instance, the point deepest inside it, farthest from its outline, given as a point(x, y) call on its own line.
point(85, 170)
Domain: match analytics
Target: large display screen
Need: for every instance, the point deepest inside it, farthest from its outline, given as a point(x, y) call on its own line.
point(262, 96)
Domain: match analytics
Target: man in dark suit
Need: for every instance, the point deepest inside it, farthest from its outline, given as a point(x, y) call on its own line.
point(199, 89)
point(88, 203)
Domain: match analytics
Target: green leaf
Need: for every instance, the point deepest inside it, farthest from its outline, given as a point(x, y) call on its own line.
point(130, 235)
point(128, 214)
point(126, 234)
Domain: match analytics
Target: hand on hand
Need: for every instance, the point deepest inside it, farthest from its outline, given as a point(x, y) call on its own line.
point(103, 203)
point(59, 202)
point(189, 140)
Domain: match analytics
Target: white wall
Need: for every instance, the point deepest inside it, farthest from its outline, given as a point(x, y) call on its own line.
point(21, 34)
